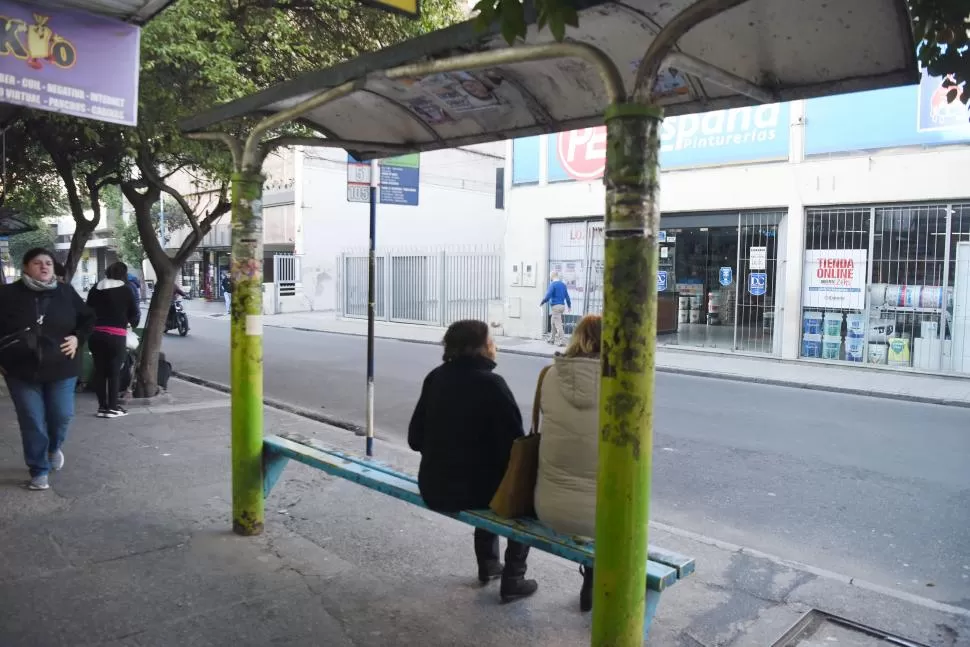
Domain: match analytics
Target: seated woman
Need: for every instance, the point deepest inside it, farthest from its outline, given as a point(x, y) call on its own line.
point(464, 425)
point(565, 495)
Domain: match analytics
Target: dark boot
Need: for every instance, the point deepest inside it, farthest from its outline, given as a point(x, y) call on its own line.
point(514, 585)
point(486, 552)
point(490, 570)
point(586, 593)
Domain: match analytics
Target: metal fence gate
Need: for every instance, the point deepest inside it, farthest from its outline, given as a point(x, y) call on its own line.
point(428, 287)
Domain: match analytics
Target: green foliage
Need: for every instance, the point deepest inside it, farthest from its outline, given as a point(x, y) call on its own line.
point(942, 29)
point(128, 240)
point(510, 16)
point(20, 244)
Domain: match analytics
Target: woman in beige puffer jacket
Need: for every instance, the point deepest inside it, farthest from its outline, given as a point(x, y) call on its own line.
point(565, 494)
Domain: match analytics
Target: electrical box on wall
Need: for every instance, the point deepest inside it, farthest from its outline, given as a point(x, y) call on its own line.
point(515, 275)
point(529, 274)
point(515, 308)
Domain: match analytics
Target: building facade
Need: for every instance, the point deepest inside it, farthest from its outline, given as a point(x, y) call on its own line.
point(833, 229)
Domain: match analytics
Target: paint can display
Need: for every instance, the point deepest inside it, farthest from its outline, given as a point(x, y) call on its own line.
point(812, 346)
point(877, 294)
point(912, 295)
point(932, 297)
point(812, 322)
point(854, 348)
point(878, 354)
point(832, 324)
point(894, 295)
point(831, 347)
point(899, 351)
point(855, 325)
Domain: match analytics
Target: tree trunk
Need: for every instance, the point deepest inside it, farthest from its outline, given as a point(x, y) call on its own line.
point(79, 240)
point(146, 382)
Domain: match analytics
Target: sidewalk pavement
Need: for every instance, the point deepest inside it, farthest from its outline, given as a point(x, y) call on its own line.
point(851, 380)
point(131, 548)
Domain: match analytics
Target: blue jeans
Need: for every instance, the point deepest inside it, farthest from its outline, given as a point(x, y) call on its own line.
point(44, 412)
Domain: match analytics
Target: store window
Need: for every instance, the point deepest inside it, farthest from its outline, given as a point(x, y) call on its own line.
point(878, 285)
point(717, 277)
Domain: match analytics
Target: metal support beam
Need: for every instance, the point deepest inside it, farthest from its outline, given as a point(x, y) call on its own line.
point(704, 70)
point(628, 360)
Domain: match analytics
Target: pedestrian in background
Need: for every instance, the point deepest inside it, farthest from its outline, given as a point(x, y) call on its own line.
point(113, 303)
point(227, 292)
point(557, 296)
point(565, 494)
point(464, 425)
point(60, 272)
point(43, 322)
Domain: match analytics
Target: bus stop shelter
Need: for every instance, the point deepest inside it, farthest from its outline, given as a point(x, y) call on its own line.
point(627, 64)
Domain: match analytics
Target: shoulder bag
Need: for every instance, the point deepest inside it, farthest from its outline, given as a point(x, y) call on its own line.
point(515, 496)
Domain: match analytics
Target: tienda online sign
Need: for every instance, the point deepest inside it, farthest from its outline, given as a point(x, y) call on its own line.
point(582, 153)
point(837, 270)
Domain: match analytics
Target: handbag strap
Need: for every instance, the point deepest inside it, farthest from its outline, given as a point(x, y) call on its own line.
point(538, 397)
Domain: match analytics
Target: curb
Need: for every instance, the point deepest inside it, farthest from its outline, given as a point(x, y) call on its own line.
point(279, 405)
point(688, 372)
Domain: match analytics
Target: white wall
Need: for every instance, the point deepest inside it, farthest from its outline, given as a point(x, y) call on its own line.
point(887, 176)
point(456, 208)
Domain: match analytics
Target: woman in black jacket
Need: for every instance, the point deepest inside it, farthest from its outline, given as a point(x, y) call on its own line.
point(464, 425)
point(42, 324)
point(115, 308)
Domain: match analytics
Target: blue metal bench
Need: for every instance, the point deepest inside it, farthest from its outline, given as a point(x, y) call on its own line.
point(664, 568)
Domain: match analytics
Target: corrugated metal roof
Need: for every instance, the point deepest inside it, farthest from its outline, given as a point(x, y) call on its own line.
point(134, 11)
point(792, 48)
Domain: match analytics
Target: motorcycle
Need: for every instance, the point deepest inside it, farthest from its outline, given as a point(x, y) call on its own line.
point(177, 319)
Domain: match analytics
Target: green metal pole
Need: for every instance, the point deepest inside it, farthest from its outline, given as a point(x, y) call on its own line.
point(247, 353)
point(626, 387)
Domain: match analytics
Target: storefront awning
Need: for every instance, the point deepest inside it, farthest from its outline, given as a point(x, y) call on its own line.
point(775, 50)
point(137, 12)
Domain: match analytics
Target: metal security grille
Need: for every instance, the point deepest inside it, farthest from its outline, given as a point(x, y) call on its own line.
point(754, 301)
point(429, 287)
point(897, 309)
point(355, 287)
point(286, 273)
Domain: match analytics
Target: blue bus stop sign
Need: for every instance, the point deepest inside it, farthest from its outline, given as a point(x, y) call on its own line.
point(661, 281)
point(757, 283)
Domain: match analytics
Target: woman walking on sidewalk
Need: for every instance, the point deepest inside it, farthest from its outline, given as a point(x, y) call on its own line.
point(115, 308)
point(464, 425)
point(43, 322)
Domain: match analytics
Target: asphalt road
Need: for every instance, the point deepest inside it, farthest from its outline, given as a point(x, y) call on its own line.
point(870, 488)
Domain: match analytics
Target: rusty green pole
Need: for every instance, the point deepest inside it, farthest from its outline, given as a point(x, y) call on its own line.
point(246, 364)
point(627, 378)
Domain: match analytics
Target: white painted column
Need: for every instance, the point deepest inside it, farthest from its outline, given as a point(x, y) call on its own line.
point(793, 233)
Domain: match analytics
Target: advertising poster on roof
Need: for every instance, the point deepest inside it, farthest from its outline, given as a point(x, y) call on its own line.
point(69, 62)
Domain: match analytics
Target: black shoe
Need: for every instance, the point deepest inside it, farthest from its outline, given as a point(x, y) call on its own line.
point(489, 571)
point(586, 593)
point(517, 589)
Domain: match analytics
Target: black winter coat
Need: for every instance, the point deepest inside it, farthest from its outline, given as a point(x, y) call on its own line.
point(36, 356)
point(464, 425)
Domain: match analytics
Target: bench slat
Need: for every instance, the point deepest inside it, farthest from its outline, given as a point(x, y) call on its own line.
point(659, 576)
point(682, 564)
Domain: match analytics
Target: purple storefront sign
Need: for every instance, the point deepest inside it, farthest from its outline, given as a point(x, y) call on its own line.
point(69, 62)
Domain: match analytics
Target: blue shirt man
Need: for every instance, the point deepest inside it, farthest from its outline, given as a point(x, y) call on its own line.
point(557, 294)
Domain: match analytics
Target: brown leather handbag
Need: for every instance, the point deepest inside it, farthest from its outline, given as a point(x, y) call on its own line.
point(515, 496)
